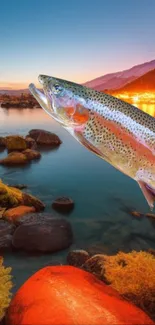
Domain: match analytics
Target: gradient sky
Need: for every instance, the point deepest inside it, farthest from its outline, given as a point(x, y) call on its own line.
point(73, 39)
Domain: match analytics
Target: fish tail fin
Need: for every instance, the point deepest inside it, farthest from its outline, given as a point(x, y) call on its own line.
point(148, 192)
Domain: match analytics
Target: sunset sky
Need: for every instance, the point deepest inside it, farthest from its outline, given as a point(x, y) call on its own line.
point(77, 40)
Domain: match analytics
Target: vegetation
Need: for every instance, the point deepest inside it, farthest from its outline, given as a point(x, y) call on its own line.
point(133, 276)
point(5, 287)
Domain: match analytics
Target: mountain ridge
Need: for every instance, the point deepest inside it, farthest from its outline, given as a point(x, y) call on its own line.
point(121, 78)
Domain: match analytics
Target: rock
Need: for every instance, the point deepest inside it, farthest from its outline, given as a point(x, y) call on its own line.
point(50, 235)
point(15, 143)
point(63, 204)
point(14, 158)
point(43, 137)
point(150, 215)
point(31, 144)
point(77, 257)
point(12, 197)
point(94, 265)
point(6, 232)
point(136, 214)
point(32, 154)
point(34, 218)
point(33, 201)
point(2, 142)
point(17, 212)
point(67, 295)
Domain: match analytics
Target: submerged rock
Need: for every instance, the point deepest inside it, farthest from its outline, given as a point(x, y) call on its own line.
point(17, 212)
point(15, 142)
point(14, 158)
point(150, 215)
point(48, 235)
point(63, 204)
point(43, 137)
point(67, 295)
point(32, 154)
point(12, 197)
point(77, 257)
point(136, 214)
point(6, 232)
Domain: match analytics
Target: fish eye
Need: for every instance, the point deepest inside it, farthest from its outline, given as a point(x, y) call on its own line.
point(57, 88)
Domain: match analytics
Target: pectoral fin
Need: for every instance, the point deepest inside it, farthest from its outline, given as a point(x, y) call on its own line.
point(148, 192)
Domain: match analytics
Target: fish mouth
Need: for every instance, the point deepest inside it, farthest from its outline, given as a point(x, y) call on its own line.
point(43, 101)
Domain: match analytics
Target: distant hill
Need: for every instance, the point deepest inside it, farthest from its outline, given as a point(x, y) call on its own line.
point(121, 78)
point(12, 92)
point(145, 83)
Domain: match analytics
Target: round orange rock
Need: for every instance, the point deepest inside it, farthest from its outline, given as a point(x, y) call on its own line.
point(65, 295)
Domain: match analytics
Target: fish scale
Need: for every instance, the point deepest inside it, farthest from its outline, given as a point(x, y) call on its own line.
point(112, 129)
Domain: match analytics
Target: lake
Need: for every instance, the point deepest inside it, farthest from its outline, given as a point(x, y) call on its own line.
point(103, 196)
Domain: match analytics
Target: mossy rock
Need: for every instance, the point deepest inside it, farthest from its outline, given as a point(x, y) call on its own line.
point(12, 197)
point(131, 274)
point(15, 142)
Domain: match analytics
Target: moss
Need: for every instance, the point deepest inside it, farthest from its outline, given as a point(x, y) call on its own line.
point(15, 142)
point(9, 196)
point(12, 197)
point(133, 276)
point(5, 287)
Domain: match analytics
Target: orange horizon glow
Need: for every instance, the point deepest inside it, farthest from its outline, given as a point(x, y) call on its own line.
point(15, 85)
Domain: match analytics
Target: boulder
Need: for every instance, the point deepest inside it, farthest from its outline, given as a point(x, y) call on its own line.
point(43, 137)
point(15, 143)
point(17, 212)
point(77, 257)
point(50, 235)
point(31, 144)
point(57, 295)
point(34, 218)
point(6, 232)
point(32, 154)
point(2, 142)
point(12, 197)
point(63, 204)
point(14, 158)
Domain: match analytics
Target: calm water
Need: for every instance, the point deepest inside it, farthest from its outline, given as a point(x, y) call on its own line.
point(102, 194)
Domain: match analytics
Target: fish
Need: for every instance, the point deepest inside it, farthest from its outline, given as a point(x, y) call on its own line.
point(114, 130)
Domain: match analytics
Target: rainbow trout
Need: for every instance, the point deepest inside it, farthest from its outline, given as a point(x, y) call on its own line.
point(114, 130)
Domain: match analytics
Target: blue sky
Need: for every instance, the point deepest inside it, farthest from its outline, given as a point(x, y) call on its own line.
point(73, 39)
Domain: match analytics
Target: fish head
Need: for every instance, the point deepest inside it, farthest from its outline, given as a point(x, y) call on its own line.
point(66, 101)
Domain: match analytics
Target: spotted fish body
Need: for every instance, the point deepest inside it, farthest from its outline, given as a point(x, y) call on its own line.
point(116, 131)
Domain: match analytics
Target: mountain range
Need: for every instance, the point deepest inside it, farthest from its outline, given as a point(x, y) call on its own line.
point(120, 79)
point(129, 79)
point(145, 83)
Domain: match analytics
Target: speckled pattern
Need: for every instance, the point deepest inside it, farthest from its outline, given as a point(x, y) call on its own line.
point(115, 130)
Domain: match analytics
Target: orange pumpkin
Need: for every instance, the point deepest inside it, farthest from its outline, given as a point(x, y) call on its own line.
point(66, 295)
